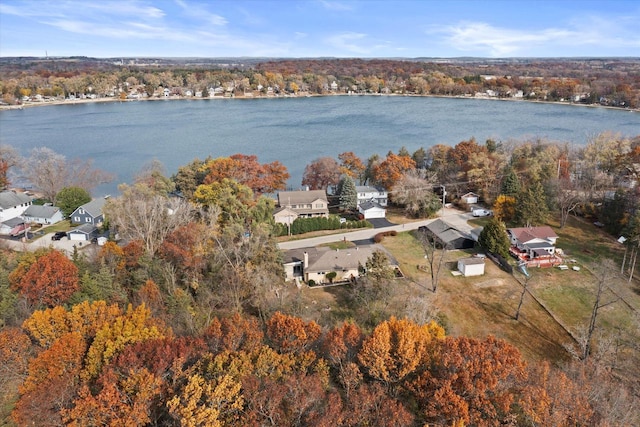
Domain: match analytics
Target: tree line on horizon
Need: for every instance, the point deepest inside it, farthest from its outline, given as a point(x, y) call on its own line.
point(611, 82)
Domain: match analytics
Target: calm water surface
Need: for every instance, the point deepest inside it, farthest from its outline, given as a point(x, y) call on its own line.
point(122, 137)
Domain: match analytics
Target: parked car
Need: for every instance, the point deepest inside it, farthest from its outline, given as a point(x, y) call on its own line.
point(58, 235)
point(481, 212)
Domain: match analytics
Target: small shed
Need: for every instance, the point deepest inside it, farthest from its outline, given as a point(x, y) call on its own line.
point(470, 198)
point(472, 266)
point(372, 210)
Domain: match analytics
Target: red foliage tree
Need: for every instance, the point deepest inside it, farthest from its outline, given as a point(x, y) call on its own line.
point(321, 173)
point(388, 172)
point(236, 333)
point(50, 280)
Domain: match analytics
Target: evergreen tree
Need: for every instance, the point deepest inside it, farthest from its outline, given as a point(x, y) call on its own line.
point(348, 194)
point(494, 238)
point(510, 183)
point(531, 206)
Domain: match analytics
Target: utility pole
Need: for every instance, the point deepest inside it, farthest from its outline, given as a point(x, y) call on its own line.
point(444, 195)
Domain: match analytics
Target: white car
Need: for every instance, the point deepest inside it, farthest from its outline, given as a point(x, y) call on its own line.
point(481, 212)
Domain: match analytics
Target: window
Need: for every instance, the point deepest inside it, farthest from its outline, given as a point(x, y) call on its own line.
point(319, 205)
point(76, 219)
point(87, 219)
point(81, 211)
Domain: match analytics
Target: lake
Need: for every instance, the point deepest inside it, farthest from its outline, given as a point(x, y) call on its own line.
point(122, 137)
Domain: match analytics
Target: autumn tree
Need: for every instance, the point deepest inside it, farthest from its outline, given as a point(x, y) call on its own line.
point(153, 176)
point(351, 165)
point(388, 172)
point(470, 381)
point(504, 208)
point(69, 198)
point(232, 200)
point(398, 350)
point(321, 174)
point(260, 178)
point(510, 183)
point(291, 334)
point(50, 280)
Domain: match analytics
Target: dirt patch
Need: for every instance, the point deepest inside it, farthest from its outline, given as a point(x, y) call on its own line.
point(490, 283)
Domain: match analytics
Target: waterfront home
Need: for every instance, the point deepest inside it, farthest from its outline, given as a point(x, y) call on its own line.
point(368, 193)
point(89, 213)
point(306, 204)
point(45, 215)
point(13, 204)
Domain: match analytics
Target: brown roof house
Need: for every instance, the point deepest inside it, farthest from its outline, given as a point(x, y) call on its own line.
point(305, 204)
point(315, 263)
point(535, 242)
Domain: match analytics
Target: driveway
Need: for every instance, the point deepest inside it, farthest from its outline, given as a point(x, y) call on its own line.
point(380, 222)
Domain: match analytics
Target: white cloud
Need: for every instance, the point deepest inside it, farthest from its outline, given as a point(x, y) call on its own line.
point(299, 35)
point(481, 38)
point(200, 13)
point(346, 42)
point(335, 5)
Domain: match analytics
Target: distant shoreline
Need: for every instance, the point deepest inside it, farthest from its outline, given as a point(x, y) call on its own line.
point(182, 98)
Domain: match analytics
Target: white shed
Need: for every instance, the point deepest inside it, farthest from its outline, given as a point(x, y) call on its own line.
point(472, 266)
point(470, 198)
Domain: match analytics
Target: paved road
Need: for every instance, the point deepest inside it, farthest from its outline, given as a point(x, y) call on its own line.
point(45, 241)
point(454, 217)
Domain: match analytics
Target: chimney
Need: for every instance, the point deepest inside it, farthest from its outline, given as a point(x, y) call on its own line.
point(305, 262)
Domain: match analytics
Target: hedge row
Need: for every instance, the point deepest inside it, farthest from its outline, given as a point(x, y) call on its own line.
point(306, 225)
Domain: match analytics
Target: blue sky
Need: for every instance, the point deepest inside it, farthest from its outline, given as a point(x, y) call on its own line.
point(320, 28)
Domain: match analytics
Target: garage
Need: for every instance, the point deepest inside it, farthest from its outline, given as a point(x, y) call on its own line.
point(372, 210)
point(83, 233)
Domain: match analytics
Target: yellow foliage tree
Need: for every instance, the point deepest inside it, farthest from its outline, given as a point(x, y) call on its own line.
point(135, 325)
point(504, 208)
point(398, 348)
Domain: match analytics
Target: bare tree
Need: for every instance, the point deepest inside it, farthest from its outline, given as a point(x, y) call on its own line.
point(568, 198)
point(141, 214)
point(604, 272)
point(415, 192)
point(50, 172)
point(435, 255)
point(9, 158)
point(524, 291)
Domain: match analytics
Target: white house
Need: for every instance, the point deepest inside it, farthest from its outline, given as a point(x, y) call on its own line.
point(44, 215)
point(368, 193)
point(372, 210)
point(13, 204)
point(472, 266)
point(534, 241)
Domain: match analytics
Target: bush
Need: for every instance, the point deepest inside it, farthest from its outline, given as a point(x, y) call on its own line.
point(311, 282)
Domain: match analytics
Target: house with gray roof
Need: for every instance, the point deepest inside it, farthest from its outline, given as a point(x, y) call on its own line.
point(13, 204)
point(448, 235)
point(89, 213)
point(367, 193)
point(306, 204)
point(84, 232)
point(44, 215)
point(371, 209)
point(316, 262)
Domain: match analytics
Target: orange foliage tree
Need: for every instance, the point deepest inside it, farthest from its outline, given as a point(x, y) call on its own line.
point(351, 165)
point(471, 381)
point(388, 172)
point(291, 334)
point(261, 178)
point(399, 349)
point(235, 333)
point(50, 280)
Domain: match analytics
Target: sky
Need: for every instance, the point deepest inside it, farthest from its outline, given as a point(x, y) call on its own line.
point(320, 28)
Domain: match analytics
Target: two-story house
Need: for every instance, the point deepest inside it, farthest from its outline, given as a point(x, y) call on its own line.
point(368, 193)
point(13, 204)
point(89, 213)
point(301, 204)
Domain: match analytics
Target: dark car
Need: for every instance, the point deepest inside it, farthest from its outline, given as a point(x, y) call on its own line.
point(58, 235)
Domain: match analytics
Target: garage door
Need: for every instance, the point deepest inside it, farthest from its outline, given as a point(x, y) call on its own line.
point(77, 236)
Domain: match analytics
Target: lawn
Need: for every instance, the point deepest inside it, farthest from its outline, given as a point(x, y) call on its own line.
point(486, 305)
